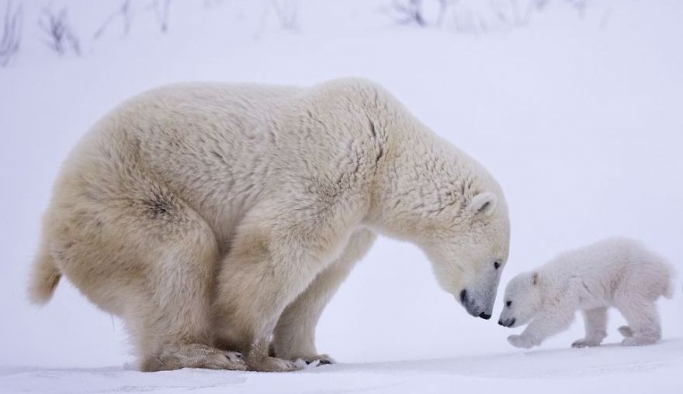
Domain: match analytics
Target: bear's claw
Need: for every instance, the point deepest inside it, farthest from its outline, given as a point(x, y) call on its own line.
point(321, 359)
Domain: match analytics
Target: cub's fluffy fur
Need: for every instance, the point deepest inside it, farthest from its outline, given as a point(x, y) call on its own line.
point(618, 272)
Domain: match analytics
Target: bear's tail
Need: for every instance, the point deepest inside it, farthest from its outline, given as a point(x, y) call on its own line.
point(44, 278)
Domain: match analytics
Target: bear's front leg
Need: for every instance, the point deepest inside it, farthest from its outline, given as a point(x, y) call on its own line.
point(294, 335)
point(274, 259)
point(256, 283)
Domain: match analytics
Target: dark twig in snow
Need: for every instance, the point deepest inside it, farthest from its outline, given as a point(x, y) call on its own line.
point(11, 33)
point(287, 12)
point(409, 12)
point(60, 35)
point(162, 8)
point(125, 12)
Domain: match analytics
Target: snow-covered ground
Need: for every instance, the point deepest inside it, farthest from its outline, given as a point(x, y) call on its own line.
point(579, 116)
point(612, 369)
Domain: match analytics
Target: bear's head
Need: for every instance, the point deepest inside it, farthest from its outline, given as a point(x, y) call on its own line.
point(469, 254)
point(523, 300)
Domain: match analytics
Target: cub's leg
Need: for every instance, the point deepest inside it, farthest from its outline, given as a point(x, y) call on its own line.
point(595, 321)
point(644, 327)
point(294, 336)
point(276, 255)
point(136, 250)
point(549, 321)
point(636, 300)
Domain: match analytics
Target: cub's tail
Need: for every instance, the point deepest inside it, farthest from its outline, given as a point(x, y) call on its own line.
point(44, 278)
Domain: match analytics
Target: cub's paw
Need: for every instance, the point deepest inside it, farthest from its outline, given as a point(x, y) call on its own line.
point(581, 343)
point(639, 341)
point(520, 341)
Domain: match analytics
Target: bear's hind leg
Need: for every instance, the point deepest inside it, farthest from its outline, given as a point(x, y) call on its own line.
point(172, 325)
point(192, 355)
point(137, 250)
point(595, 321)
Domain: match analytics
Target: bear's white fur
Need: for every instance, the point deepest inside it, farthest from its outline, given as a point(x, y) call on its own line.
point(213, 217)
point(617, 272)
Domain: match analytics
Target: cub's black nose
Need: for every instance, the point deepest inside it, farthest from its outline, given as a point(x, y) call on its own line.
point(507, 323)
point(484, 315)
point(463, 296)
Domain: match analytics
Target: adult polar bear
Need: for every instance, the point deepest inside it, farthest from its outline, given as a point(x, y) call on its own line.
point(214, 217)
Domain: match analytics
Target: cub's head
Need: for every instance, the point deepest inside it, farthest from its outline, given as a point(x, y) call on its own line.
point(522, 300)
point(469, 255)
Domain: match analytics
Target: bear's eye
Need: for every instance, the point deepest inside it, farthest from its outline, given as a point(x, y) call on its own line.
point(508, 303)
point(496, 264)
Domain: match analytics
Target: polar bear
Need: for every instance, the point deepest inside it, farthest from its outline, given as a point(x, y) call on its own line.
point(217, 220)
point(617, 272)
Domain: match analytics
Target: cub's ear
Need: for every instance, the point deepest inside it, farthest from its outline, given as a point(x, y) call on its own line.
point(534, 278)
point(483, 204)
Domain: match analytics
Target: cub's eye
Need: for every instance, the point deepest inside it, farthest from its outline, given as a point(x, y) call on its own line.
point(508, 303)
point(496, 265)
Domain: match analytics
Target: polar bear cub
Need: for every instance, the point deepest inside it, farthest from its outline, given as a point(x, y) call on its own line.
point(617, 272)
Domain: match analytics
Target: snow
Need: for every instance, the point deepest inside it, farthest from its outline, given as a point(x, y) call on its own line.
point(607, 369)
point(577, 115)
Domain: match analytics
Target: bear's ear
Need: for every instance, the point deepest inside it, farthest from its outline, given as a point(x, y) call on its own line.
point(483, 204)
point(534, 278)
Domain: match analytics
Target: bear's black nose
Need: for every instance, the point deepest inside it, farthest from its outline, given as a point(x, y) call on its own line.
point(484, 315)
point(463, 296)
point(500, 322)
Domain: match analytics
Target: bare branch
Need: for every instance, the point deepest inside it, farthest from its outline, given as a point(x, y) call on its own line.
point(125, 12)
point(474, 15)
point(10, 43)
point(287, 12)
point(60, 36)
point(162, 9)
point(407, 12)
